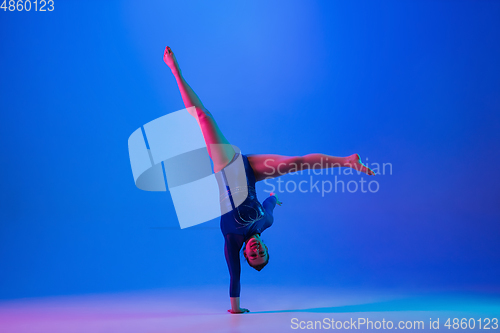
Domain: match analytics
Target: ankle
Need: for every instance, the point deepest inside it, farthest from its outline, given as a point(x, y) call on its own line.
point(350, 161)
point(176, 71)
point(346, 161)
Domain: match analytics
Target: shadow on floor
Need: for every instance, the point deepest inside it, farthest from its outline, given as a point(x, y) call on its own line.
point(436, 303)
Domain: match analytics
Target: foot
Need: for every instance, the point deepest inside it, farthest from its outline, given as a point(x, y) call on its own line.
point(169, 58)
point(278, 202)
point(354, 161)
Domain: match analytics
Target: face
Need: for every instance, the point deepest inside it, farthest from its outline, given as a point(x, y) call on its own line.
point(255, 251)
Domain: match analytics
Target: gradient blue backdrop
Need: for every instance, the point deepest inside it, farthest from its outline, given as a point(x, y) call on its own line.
point(411, 83)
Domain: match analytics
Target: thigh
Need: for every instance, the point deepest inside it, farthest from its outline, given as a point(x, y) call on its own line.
point(218, 146)
point(266, 166)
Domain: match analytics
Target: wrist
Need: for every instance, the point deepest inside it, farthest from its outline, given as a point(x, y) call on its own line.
point(235, 303)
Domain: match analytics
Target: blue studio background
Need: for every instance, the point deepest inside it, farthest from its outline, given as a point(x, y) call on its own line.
point(412, 83)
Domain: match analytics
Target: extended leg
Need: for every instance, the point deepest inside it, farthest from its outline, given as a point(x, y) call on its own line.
point(268, 166)
point(218, 146)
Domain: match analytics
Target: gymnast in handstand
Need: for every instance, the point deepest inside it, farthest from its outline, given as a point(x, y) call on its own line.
point(244, 225)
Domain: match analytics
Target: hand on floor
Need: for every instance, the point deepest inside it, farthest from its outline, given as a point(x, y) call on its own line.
point(240, 310)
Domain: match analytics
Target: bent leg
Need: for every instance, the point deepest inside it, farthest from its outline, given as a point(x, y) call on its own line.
point(269, 204)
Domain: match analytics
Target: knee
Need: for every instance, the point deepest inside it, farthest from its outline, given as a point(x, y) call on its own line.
point(299, 160)
point(296, 162)
point(202, 112)
point(270, 203)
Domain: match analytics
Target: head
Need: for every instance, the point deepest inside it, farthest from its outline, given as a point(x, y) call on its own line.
point(256, 253)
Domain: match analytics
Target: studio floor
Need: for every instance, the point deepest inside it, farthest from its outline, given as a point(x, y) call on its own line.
point(277, 309)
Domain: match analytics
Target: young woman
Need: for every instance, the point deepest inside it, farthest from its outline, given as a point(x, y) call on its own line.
point(243, 225)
